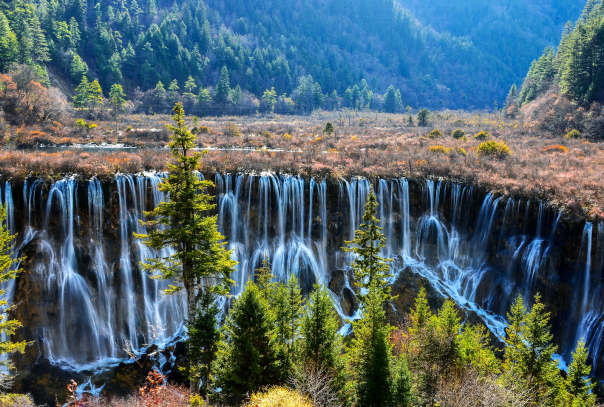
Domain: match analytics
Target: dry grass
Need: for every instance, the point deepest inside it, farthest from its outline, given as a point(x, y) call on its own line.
point(566, 172)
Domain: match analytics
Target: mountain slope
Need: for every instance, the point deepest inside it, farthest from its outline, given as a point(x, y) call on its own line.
point(513, 31)
point(263, 44)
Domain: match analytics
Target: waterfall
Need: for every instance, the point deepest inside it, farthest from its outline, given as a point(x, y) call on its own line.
point(479, 249)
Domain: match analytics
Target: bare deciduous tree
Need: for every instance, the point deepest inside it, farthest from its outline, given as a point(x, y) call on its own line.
point(470, 389)
point(316, 383)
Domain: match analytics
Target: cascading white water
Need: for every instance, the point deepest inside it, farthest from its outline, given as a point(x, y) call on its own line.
point(103, 301)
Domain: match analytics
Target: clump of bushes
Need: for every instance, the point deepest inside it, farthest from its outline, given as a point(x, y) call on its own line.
point(492, 148)
point(203, 130)
point(278, 396)
point(439, 149)
point(82, 124)
point(458, 134)
point(435, 134)
point(573, 134)
point(461, 151)
point(483, 135)
point(555, 149)
point(266, 134)
point(231, 130)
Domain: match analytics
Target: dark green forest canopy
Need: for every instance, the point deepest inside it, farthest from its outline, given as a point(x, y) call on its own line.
point(264, 44)
point(577, 66)
point(512, 31)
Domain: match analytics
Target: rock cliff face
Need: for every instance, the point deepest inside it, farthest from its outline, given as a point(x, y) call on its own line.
point(83, 299)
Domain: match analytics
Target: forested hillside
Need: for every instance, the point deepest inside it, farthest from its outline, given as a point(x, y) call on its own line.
point(564, 89)
point(307, 50)
point(513, 31)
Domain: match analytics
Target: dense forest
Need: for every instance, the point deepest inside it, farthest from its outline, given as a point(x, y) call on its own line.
point(312, 51)
point(498, 27)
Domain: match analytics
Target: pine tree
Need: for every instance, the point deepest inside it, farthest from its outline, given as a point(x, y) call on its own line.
point(402, 392)
point(529, 352)
point(8, 272)
point(390, 100)
point(321, 345)
point(287, 306)
point(367, 245)
point(370, 351)
point(82, 94)
point(423, 116)
point(9, 46)
point(159, 93)
point(270, 98)
point(173, 89)
point(40, 49)
point(78, 68)
point(578, 383)
point(202, 342)
point(319, 329)
point(95, 95)
point(223, 87)
point(247, 359)
point(117, 101)
point(199, 256)
point(190, 86)
point(204, 96)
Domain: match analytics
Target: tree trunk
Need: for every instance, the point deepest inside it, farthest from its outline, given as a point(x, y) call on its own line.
point(190, 289)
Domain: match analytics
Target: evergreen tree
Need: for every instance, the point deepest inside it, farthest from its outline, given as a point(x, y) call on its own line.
point(321, 345)
point(391, 100)
point(82, 94)
point(367, 245)
point(199, 262)
point(402, 392)
point(78, 68)
point(223, 87)
point(287, 306)
point(423, 116)
point(95, 95)
point(204, 96)
point(202, 342)
point(159, 93)
point(529, 352)
point(8, 272)
point(9, 46)
point(40, 46)
point(173, 89)
point(578, 383)
point(247, 358)
point(190, 86)
point(236, 95)
point(117, 101)
point(370, 351)
point(270, 98)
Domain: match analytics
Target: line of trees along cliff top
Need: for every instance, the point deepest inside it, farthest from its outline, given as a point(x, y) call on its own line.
point(280, 45)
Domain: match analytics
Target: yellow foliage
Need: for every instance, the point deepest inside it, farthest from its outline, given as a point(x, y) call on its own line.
point(279, 397)
point(287, 136)
point(439, 149)
point(353, 138)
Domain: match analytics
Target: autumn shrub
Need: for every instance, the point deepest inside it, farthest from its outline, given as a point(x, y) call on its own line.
point(492, 148)
point(231, 130)
point(16, 400)
point(573, 134)
point(435, 134)
point(461, 151)
point(483, 135)
point(278, 397)
point(203, 130)
point(555, 149)
point(458, 134)
point(439, 149)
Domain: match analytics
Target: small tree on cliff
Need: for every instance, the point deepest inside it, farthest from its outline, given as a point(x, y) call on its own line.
point(367, 244)
point(200, 262)
point(7, 273)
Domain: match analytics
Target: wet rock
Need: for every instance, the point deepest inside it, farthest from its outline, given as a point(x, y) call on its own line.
point(47, 383)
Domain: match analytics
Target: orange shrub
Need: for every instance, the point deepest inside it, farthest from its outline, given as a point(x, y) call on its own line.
point(555, 149)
